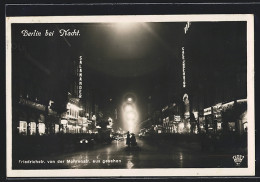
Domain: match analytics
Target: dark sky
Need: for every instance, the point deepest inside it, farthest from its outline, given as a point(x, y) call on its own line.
point(142, 58)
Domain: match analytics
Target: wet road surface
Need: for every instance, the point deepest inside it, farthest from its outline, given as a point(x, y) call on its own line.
point(147, 155)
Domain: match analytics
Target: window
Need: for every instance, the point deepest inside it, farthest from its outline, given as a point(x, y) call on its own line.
point(56, 128)
point(41, 128)
point(32, 128)
point(77, 114)
point(23, 127)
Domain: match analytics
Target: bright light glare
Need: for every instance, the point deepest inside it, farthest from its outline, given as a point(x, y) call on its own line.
point(124, 27)
point(73, 107)
point(41, 128)
point(130, 116)
point(130, 99)
point(188, 125)
point(128, 108)
point(181, 126)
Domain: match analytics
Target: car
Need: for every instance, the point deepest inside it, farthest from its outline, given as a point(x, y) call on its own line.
point(141, 135)
point(86, 143)
point(118, 137)
point(83, 141)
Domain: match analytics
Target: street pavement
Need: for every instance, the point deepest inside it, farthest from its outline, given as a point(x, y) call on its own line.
point(147, 155)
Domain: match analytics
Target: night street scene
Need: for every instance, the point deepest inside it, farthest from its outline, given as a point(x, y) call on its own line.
point(129, 95)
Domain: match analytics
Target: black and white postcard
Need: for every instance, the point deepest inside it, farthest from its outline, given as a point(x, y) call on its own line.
point(98, 96)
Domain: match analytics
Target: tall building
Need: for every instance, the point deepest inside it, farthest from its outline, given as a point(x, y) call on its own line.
point(39, 84)
point(215, 58)
point(79, 103)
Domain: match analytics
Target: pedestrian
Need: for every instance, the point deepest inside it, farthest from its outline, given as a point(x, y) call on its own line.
point(133, 140)
point(128, 139)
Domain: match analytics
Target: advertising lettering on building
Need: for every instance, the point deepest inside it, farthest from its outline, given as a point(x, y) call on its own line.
point(80, 85)
point(183, 68)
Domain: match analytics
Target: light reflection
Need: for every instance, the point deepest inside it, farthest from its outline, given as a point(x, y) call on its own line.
point(129, 164)
point(181, 159)
point(108, 151)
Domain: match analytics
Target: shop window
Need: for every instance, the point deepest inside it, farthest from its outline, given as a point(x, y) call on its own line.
point(219, 126)
point(32, 128)
point(56, 128)
point(23, 127)
point(69, 129)
point(41, 128)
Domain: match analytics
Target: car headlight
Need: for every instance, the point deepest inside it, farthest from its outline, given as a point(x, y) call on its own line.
point(81, 141)
point(86, 141)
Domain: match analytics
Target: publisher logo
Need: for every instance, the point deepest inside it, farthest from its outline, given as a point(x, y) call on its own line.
point(238, 159)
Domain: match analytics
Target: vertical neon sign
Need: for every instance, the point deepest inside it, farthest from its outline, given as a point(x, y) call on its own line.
point(183, 68)
point(80, 77)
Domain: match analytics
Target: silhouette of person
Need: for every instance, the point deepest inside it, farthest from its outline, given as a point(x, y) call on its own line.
point(133, 140)
point(128, 139)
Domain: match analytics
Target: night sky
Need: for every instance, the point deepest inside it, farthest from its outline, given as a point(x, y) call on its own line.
point(140, 58)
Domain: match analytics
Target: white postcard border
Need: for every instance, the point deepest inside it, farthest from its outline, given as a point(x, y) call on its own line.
point(250, 171)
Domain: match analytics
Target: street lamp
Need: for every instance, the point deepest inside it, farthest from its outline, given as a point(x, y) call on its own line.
point(129, 99)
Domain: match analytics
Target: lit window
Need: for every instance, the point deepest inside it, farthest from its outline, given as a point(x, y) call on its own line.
point(32, 128)
point(56, 128)
point(41, 128)
point(23, 127)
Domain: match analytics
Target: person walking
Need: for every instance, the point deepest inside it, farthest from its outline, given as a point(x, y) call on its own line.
point(133, 140)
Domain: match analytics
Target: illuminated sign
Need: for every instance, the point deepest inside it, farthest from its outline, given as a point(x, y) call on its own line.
point(80, 77)
point(196, 115)
point(165, 108)
point(63, 121)
point(94, 118)
point(186, 115)
point(185, 97)
point(241, 100)
point(207, 111)
point(167, 119)
point(217, 108)
point(32, 104)
point(187, 26)
point(183, 68)
point(227, 105)
point(177, 118)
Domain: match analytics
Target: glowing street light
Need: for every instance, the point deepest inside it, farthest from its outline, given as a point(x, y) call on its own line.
point(130, 116)
point(129, 99)
point(128, 108)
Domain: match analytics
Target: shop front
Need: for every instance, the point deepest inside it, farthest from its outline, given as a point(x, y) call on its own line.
point(28, 118)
